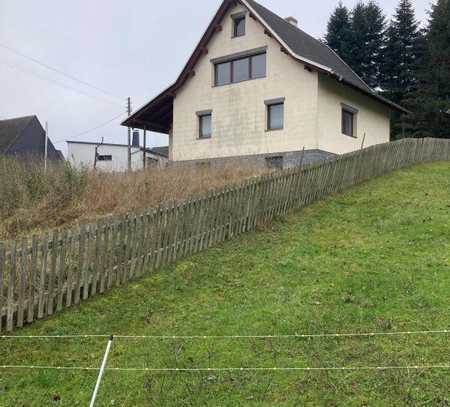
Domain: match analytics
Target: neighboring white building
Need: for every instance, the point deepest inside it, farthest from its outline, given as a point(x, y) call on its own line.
point(114, 157)
point(258, 87)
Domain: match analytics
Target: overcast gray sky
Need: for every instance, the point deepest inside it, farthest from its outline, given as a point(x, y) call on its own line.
point(135, 48)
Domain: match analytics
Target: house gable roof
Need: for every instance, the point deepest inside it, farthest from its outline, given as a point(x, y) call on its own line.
point(300, 45)
point(306, 47)
point(11, 130)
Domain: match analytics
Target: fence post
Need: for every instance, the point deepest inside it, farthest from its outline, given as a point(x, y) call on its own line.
point(2, 276)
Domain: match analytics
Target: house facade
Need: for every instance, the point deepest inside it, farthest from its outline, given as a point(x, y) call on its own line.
point(109, 157)
point(258, 87)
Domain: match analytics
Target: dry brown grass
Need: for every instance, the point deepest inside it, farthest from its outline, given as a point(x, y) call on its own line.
point(31, 200)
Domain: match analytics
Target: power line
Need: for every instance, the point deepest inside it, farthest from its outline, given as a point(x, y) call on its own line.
point(57, 83)
point(93, 129)
point(43, 64)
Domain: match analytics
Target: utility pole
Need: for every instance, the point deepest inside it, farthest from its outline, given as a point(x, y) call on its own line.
point(129, 134)
point(96, 154)
point(46, 147)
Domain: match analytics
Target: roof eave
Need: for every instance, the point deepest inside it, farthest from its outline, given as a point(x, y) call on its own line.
point(379, 98)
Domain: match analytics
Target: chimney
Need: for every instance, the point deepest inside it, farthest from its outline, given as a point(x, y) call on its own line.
point(292, 20)
point(135, 142)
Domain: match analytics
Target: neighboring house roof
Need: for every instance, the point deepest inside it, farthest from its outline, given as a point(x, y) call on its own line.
point(11, 130)
point(60, 155)
point(158, 113)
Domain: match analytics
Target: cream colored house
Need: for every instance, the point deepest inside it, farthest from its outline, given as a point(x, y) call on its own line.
point(258, 87)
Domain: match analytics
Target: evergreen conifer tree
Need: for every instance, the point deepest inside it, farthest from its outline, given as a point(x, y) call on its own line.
point(400, 54)
point(430, 103)
point(339, 33)
point(368, 26)
point(376, 24)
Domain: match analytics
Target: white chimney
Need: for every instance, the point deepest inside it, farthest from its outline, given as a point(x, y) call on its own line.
point(292, 20)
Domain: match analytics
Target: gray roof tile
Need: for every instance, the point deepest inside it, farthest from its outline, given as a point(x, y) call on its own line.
point(307, 46)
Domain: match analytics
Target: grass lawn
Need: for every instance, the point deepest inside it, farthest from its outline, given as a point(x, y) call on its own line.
point(376, 258)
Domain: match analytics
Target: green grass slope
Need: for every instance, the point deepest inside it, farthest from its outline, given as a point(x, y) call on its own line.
point(376, 258)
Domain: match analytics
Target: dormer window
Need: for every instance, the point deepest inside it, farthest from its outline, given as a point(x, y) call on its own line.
point(238, 25)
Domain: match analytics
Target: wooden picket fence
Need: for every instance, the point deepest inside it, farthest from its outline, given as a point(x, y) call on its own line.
point(45, 274)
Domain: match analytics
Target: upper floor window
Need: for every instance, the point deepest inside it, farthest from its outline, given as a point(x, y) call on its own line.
point(238, 25)
point(240, 69)
point(349, 115)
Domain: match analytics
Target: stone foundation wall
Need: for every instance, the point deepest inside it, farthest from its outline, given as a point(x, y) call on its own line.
point(276, 160)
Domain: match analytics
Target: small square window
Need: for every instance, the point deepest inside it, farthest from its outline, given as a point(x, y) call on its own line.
point(239, 26)
point(205, 125)
point(275, 116)
point(104, 157)
point(348, 123)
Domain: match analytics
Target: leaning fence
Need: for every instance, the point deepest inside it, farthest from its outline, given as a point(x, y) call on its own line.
point(43, 275)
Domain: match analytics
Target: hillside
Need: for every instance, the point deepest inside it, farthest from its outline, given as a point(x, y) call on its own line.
point(374, 259)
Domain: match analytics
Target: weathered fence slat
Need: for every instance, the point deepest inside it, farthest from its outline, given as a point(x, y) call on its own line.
point(53, 264)
point(22, 282)
point(70, 268)
point(11, 285)
point(32, 279)
point(2, 277)
point(42, 279)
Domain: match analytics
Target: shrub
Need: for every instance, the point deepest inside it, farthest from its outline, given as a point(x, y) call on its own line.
point(32, 199)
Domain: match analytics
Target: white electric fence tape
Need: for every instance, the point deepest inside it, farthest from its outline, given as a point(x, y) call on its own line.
point(228, 369)
point(293, 336)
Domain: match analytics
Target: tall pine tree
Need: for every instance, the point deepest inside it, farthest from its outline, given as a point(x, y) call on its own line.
point(431, 101)
point(359, 55)
point(339, 33)
point(368, 26)
point(376, 23)
point(400, 54)
point(400, 59)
